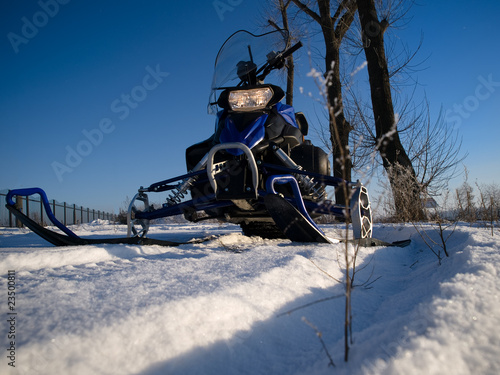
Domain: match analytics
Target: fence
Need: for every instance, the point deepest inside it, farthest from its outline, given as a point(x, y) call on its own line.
point(68, 214)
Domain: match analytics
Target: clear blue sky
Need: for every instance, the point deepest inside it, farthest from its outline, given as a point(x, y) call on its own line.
point(98, 98)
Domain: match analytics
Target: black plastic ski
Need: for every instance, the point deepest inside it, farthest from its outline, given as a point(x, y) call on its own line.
point(64, 240)
point(291, 222)
point(297, 228)
point(369, 242)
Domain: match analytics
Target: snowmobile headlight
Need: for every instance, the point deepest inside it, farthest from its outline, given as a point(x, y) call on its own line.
point(250, 100)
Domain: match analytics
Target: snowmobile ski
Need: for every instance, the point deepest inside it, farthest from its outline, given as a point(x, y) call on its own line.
point(370, 242)
point(58, 239)
point(297, 228)
point(295, 223)
point(291, 222)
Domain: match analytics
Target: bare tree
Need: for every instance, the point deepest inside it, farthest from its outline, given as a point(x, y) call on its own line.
point(431, 145)
point(489, 201)
point(434, 150)
point(411, 147)
point(395, 159)
point(465, 201)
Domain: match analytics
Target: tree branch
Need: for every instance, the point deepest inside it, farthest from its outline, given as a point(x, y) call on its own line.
point(339, 10)
point(346, 20)
point(273, 24)
point(308, 11)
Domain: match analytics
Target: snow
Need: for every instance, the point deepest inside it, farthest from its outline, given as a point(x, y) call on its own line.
point(235, 305)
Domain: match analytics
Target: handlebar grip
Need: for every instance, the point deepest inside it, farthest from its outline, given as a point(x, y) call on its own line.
point(278, 61)
point(291, 50)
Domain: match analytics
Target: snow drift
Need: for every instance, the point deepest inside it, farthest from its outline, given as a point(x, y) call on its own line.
point(236, 305)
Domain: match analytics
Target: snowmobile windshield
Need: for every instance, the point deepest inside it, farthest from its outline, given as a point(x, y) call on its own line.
point(240, 53)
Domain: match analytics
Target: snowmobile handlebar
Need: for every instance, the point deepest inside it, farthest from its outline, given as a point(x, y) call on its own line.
point(278, 61)
point(291, 50)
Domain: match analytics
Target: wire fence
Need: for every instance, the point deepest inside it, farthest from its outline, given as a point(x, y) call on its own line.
point(68, 214)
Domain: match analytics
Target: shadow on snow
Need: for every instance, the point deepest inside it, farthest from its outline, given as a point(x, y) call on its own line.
point(386, 316)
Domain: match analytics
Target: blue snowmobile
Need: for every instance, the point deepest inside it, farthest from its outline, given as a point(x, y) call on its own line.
point(256, 170)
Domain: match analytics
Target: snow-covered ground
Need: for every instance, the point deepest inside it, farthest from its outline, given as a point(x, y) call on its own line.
point(239, 305)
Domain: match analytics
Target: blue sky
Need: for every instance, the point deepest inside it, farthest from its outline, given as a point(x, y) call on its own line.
point(98, 98)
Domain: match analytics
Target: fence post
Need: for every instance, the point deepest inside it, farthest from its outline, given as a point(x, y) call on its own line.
point(28, 206)
point(41, 211)
point(25, 208)
point(74, 219)
point(19, 206)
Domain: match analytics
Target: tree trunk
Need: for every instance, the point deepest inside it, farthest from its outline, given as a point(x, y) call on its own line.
point(290, 67)
point(395, 160)
point(339, 127)
point(333, 29)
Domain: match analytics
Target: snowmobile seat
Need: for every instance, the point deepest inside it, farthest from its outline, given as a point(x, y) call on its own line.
point(278, 127)
point(302, 123)
point(196, 152)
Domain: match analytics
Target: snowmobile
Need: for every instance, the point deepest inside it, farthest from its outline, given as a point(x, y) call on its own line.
point(257, 170)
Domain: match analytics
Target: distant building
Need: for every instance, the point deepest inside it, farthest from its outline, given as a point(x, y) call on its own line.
point(429, 202)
